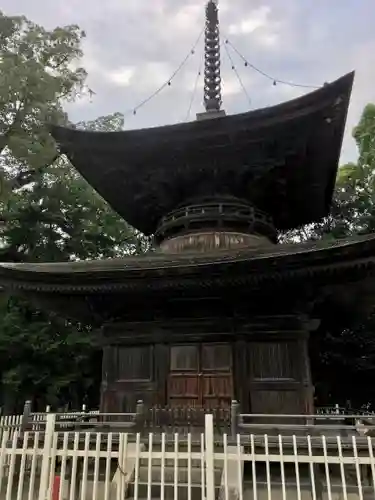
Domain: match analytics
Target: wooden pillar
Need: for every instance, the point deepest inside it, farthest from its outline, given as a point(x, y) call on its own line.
point(241, 375)
point(162, 365)
point(106, 363)
point(307, 388)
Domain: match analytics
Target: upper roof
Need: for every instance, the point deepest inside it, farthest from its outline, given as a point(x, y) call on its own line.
point(283, 159)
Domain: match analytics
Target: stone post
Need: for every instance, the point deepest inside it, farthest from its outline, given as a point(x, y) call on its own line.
point(139, 415)
point(234, 412)
point(26, 415)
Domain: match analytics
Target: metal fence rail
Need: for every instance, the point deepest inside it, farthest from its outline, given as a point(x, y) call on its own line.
point(36, 421)
point(184, 420)
point(116, 465)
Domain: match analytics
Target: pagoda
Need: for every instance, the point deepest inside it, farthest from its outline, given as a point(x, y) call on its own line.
point(220, 311)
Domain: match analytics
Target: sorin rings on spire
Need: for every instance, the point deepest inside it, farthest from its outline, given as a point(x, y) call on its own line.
point(212, 76)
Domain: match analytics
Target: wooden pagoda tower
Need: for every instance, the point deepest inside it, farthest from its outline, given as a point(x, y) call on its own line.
point(220, 311)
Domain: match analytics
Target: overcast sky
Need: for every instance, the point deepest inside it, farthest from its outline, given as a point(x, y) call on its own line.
point(133, 46)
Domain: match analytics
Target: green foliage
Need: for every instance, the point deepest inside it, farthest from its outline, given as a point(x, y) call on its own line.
point(349, 353)
point(57, 218)
point(343, 364)
point(42, 356)
point(48, 213)
point(39, 70)
point(353, 208)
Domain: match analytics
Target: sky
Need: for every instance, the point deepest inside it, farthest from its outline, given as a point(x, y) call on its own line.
point(132, 47)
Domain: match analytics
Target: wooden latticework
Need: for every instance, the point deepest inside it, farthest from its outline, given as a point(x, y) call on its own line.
point(184, 419)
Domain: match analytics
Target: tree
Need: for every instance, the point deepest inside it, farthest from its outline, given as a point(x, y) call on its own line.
point(38, 70)
point(59, 217)
point(356, 191)
point(349, 352)
point(43, 357)
point(49, 212)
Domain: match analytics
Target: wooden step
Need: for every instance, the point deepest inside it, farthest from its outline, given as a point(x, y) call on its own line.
point(169, 491)
point(182, 475)
point(170, 462)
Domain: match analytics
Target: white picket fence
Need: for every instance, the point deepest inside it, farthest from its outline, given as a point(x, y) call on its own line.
point(13, 423)
point(52, 465)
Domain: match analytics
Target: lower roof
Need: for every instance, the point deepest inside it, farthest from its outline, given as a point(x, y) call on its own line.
point(155, 271)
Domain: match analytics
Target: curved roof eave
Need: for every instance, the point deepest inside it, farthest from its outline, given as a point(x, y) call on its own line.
point(143, 174)
point(148, 271)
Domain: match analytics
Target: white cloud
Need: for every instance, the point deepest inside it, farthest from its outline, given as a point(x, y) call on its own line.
point(122, 77)
point(231, 87)
point(133, 47)
point(187, 17)
point(264, 31)
point(259, 18)
point(268, 39)
point(152, 75)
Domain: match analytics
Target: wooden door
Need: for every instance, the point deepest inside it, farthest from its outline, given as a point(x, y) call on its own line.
point(200, 376)
point(217, 377)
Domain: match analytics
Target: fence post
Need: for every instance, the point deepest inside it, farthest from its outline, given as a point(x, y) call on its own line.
point(139, 415)
point(234, 418)
point(209, 452)
point(46, 459)
point(140, 407)
point(25, 415)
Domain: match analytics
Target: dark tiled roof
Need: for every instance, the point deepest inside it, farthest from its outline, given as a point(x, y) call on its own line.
point(283, 158)
point(156, 260)
point(312, 256)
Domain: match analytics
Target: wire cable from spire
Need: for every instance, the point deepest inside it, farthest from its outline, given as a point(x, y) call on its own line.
point(266, 75)
point(237, 74)
point(169, 81)
point(194, 91)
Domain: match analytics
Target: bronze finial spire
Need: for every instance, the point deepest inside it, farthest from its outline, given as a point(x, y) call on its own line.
point(212, 78)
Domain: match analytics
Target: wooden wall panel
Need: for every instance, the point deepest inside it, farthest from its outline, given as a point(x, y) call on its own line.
point(278, 382)
point(116, 400)
point(134, 363)
point(130, 378)
point(274, 360)
point(270, 372)
point(184, 358)
point(219, 386)
point(183, 386)
point(216, 357)
point(276, 402)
